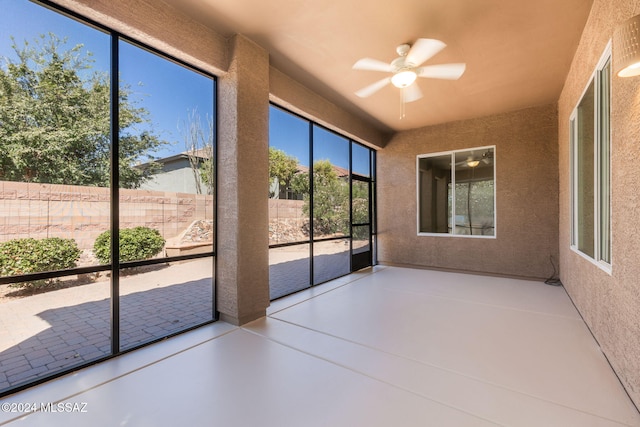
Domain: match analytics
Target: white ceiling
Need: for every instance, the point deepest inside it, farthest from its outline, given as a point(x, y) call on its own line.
point(517, 52)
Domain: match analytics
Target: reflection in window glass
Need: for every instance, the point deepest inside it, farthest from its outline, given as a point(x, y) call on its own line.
point(591, 168)
point(474, 193)
point(435, 177)
point(605, 164)
point(456, 193)
point(585, 167)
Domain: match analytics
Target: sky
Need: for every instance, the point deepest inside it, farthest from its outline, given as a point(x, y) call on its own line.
point(290, 134)
point(168, 91)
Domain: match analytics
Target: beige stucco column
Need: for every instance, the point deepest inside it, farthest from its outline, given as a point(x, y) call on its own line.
point(243, 176)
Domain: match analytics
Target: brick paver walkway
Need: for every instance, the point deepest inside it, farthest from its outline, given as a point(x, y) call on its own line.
point(289, 267)
point(45, 333)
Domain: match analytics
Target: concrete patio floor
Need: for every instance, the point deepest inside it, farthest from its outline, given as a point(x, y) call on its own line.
point(385, 346)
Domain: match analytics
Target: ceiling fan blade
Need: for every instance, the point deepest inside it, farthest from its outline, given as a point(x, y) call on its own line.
point(373, 88)
point(424, 49)
point(411, 93)
point(372, 65)
point(442, 71)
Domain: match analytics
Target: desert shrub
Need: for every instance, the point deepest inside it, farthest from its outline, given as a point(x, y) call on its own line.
point(24, 256)
point(135, 244)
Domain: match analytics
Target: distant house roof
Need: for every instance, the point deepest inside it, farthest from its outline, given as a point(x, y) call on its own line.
point(201, 153)
point(341, 172)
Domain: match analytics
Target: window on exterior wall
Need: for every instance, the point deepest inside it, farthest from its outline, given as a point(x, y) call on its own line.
point(75, 171)
point(590, 168)
point(456, 193)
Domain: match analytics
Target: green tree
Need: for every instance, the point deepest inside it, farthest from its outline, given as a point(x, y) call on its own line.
point(55, 119)
point(360, 202)
point(282, 169)
point(330, 199)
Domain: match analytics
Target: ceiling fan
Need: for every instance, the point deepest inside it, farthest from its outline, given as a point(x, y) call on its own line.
point(406, 68)
point(473, 161)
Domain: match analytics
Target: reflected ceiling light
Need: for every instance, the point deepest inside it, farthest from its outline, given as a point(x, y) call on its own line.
point(627, 48)
point(404, 78)
point(473, 163)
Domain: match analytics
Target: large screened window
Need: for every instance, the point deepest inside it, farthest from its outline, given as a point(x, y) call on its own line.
point(590, 168)
point(321, 207)
point(107, 194)
point(456, 193)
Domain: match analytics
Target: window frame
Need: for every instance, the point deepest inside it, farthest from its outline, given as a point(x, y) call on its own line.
point(601, 170)
point(115, 266)
point(453, 153)
point(313, 141)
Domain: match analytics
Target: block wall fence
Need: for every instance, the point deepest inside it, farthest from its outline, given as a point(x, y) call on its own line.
point(79, 212)
point(51, 210)
point(286, 221)
point(281, 208)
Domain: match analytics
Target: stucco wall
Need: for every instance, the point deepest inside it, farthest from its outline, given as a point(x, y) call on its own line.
point(160, 26)
point(526, 196)
point(610, 304)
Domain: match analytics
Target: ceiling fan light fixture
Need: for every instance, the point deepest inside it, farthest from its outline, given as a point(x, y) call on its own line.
point(404, 78)
point(473, 163)
point(406, 68)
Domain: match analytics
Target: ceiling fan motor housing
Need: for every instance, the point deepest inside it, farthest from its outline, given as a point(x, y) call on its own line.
point(403, 49)
point(400, 64)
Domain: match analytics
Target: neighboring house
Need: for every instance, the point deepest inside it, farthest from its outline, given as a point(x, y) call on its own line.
point(177, 175)
point(286, 193)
